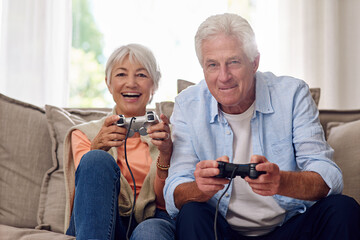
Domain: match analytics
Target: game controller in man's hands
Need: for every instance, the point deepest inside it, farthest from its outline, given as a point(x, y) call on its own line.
point(139, 124)
point(242, 170)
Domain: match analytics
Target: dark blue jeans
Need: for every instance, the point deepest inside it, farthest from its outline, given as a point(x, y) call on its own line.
point(95, 213)
point(334, 217)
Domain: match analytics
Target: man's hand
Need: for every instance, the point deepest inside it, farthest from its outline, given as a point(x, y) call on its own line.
point(266, 184)
point(204, 186)
point(304, 185)
point(205, 173)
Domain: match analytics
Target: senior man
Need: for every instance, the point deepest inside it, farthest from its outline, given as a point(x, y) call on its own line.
point(240, 115)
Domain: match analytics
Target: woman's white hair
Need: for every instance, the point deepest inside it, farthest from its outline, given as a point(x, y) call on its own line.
point(231, 25)
point(137, 53)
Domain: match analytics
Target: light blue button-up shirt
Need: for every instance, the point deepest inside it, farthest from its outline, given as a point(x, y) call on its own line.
point(285, 129)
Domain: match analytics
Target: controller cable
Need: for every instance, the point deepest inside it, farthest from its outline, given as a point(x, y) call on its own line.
point(218, 202)
point(133, 179)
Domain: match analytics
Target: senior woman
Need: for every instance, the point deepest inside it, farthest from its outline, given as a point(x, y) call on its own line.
point(100, 187)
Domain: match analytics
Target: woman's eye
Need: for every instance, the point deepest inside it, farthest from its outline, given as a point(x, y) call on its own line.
point(120, 75)
point(142, 75)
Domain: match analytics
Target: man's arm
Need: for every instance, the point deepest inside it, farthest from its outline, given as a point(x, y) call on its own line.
point(188, 192)
point(304, 185)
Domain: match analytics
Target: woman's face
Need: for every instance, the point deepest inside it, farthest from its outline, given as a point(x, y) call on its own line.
point(131, 88)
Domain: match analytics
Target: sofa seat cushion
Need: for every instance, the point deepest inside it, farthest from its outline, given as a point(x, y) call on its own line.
point(11, 233)
point(345, 139)
point(25, 156)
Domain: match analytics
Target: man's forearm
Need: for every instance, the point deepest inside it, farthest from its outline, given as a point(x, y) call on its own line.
point(188, 192)
point(302, 185)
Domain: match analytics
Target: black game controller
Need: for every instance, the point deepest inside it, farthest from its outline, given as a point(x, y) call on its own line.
point(139, 124)
point(243, 170)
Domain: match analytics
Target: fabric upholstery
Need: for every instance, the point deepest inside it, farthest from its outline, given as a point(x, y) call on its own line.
point(13, 233)
point(51, 212)
point(25, 154)
point(345, 139)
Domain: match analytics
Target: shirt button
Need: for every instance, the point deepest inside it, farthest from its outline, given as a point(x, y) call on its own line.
point(226, 195)
point(228, 132)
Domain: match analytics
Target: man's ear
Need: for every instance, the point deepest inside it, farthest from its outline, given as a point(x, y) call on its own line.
point(256, 63)
point(108, 86)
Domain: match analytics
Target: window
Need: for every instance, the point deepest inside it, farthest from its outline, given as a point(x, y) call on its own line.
point(166, 27)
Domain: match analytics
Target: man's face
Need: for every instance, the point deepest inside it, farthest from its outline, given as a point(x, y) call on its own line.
point(229, 74)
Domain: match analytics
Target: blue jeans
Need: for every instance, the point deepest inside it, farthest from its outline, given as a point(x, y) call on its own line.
point(160, 227)
point(333, 217)
point(95, 212)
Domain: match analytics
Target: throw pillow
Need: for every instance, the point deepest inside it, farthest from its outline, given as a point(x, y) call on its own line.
point(25, 155)
point(344, 139)
point(51, 212)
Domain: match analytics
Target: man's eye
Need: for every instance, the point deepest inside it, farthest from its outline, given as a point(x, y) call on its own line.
point(235, 62)
point(211, 65)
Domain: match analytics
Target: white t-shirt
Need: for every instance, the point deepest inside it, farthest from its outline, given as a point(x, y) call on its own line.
point(249, 213)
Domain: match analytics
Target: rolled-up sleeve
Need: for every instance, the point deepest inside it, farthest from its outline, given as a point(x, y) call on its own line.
point(183, 160)
point(313, 153)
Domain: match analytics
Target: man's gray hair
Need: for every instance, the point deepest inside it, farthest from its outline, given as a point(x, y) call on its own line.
point(137, 53)
point(231, 25)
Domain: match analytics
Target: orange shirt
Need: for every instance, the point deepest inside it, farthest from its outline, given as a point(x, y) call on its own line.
point(138, 156)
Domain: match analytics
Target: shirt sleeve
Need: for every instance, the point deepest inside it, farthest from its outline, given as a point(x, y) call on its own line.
point(80, 145)
point(313, 153)
point(183, 160)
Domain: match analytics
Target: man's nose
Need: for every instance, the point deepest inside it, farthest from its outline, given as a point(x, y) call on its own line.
point(224, 73)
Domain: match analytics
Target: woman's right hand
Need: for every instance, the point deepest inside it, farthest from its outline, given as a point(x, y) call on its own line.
point(110, 135)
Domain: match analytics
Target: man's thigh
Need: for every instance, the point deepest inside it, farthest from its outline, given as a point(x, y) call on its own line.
point(334, 217)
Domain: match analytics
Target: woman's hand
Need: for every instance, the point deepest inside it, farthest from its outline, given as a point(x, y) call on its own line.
point(110, 135)
point(161, 137)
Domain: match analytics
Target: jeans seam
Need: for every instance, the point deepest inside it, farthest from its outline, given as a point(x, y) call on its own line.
point(112, 229)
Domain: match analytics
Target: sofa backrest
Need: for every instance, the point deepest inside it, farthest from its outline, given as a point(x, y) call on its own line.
point(25, 156)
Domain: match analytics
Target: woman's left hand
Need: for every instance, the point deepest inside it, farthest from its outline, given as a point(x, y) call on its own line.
point(161, 136)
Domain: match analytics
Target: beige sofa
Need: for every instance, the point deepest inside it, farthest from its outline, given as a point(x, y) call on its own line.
point(32, 191)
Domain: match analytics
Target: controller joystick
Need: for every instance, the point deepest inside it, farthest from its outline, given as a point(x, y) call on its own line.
point(242, 170)
point(139, 124)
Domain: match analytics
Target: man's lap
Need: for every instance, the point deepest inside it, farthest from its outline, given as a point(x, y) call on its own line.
point(330, 218)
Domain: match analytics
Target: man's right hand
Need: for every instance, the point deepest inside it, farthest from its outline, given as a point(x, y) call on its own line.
point(205, 185)
point(205, 173)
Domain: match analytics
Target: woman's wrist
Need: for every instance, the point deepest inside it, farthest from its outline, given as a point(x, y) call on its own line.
point(163, 163)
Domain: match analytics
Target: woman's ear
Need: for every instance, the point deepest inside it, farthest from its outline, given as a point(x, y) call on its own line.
point(108, 85)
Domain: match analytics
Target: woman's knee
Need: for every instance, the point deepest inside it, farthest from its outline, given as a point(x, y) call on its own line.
point(98, 162)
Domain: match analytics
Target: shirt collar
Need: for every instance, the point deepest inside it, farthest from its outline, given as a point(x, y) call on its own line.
point(262, 95)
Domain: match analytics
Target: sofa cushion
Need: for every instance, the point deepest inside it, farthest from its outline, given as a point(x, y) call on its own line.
point(25, 155)
point(344, 138)
point(51, 212)
point(11, 233)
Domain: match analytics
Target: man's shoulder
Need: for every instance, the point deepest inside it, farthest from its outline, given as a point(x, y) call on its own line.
point(283, 81)
point(194, 93)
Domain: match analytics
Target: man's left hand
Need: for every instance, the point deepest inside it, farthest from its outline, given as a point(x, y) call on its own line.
point(266, 184)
